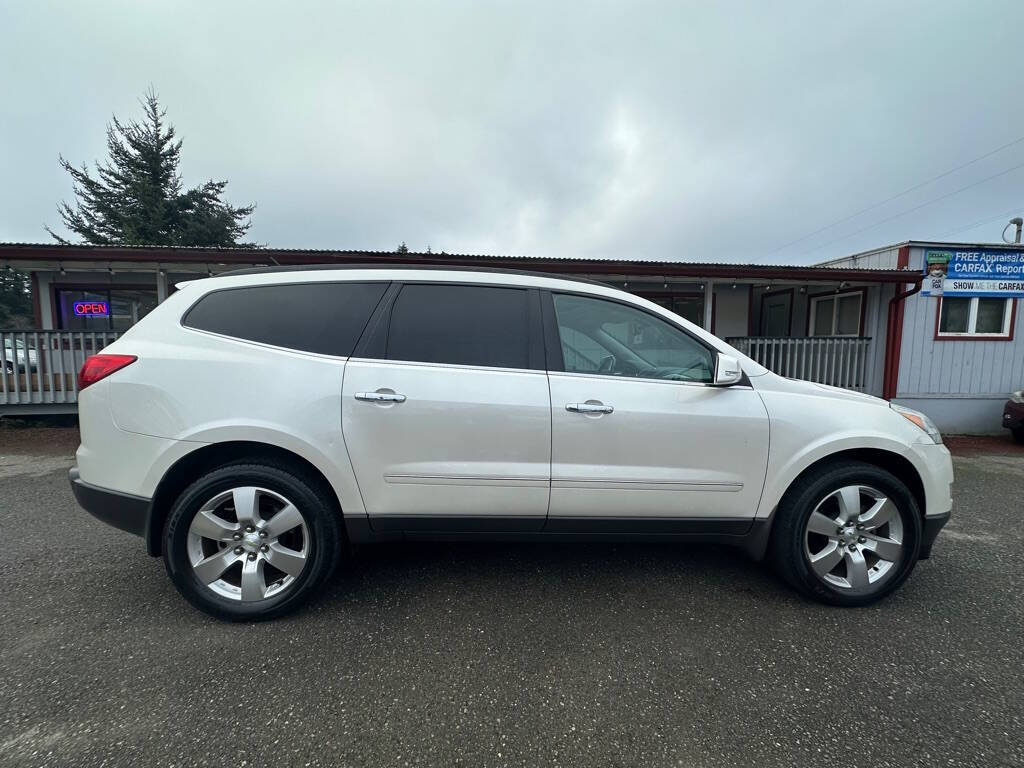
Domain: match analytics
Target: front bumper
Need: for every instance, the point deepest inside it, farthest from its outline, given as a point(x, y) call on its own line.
point(121, 510)
point(935, 466)
point(1013, 415)
point(932, 526)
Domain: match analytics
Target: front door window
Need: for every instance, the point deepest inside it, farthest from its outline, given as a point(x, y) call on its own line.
point(612, 339)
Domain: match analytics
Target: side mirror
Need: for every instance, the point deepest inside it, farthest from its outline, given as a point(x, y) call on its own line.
point(727, 371)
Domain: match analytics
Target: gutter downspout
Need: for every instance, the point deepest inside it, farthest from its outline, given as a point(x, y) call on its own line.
point(894, 340)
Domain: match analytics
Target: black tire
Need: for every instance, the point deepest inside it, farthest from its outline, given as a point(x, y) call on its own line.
point(787, 551)
point(1018, 434)
point(323, 525)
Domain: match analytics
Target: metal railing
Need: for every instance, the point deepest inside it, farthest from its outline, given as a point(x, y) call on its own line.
point(841, 361)
point(41, 367)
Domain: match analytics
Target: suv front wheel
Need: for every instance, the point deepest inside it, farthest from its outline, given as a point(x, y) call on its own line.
point(248, 542)
point(846, 534)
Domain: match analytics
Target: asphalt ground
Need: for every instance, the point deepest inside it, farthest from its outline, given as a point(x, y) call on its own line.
point(518, 655)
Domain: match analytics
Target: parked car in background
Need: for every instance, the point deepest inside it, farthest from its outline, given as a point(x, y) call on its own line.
point(14, 356)
point(254, 424)
point(1013, 415)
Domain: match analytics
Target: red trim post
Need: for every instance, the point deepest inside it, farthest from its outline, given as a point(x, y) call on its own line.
point(894, 329)
point(894, 340)
point(903, 257)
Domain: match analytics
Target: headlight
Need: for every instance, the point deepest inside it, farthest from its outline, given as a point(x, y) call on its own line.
point(1018, 396)
point(919, 420)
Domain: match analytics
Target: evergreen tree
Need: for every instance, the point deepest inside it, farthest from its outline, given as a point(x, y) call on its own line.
point(15, 300)
point(136, 197)
point(403, 248)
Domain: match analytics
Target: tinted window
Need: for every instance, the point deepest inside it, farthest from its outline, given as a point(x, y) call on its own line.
point(313, 317)
point(460, 324)
point(605, 337)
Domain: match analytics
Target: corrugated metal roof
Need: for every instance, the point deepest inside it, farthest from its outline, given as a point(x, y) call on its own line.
point(267, 253)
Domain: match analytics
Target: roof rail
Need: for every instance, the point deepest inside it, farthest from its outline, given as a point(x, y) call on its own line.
point(414, 267)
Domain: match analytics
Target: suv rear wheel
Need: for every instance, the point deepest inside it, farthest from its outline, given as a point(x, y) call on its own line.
point(847, 534)
point(251, 541)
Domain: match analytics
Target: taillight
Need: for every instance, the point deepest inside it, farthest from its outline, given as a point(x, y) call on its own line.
point(100, 366)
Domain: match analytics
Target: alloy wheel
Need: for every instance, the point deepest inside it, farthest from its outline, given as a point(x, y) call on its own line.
point(248, 544)
point(854, 539)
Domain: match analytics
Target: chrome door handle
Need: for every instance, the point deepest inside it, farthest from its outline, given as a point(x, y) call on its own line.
point(381, 397)
point(589, 408)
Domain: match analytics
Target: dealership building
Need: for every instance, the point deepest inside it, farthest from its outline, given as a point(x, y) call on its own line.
point(929, 325)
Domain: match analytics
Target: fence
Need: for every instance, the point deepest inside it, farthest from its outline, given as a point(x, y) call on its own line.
point(40, 368)
point(837, 360)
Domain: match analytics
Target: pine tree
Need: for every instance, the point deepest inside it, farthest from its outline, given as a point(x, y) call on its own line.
point(403, 248)
point(15, 300)
point(136, 197)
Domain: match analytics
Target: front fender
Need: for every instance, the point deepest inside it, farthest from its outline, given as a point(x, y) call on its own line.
point(785, 467)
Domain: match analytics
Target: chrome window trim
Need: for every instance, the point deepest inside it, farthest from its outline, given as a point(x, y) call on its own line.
point(453, 366)
point(274, 347)
point(603, 377)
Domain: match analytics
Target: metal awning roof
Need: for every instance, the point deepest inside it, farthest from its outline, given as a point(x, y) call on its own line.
point(42, 256)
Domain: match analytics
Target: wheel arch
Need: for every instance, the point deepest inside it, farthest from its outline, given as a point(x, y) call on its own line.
point(893, 463)
point(211, 456)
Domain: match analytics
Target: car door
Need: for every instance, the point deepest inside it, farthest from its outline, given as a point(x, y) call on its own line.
point(447, 422)
point(641, 440)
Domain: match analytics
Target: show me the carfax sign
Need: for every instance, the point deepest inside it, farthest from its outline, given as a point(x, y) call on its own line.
point(973, 273)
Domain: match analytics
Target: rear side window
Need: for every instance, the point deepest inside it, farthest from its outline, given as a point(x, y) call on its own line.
point(326, 318)
point(461, 325)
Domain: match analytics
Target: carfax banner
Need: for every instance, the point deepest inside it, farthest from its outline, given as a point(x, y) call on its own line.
point(973, 273)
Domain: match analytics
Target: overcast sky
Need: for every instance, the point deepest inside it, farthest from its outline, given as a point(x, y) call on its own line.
point(704, 131)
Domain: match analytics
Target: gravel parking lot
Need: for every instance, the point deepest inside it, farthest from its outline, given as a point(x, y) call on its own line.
point(588, 655)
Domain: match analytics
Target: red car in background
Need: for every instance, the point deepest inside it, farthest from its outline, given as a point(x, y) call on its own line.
point(1013, 415)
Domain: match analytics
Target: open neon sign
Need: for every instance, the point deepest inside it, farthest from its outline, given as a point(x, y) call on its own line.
point(92, 309)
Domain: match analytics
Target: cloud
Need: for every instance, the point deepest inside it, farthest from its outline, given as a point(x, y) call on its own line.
point(640, 130)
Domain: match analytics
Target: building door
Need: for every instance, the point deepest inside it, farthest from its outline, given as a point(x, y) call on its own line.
point(776, 313)
point(452, 430)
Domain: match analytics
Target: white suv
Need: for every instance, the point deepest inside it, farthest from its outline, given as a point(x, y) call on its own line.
point(255, 424)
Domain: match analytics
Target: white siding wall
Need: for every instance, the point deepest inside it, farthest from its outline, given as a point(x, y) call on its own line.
point(876, 321)
point(883, 258)
point(961, 385)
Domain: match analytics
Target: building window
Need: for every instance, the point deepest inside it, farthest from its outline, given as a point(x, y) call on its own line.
point(974, 317)
point(689, 306)
point(102, 308)
point(837, 314)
